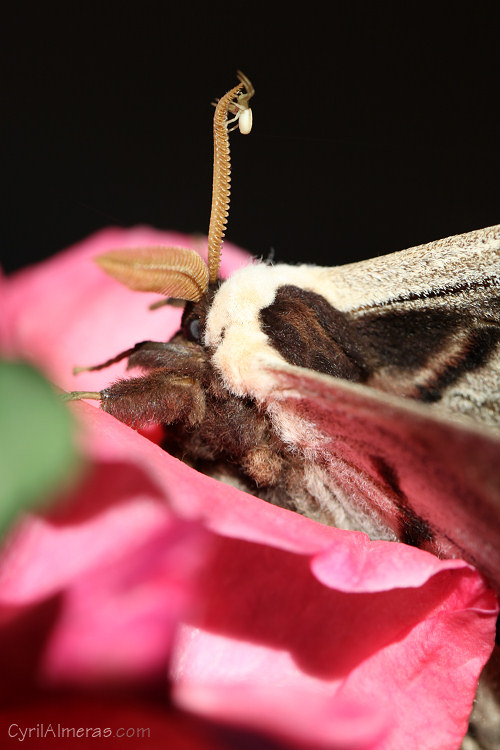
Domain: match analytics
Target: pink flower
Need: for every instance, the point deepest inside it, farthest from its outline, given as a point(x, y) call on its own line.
point(266, 620)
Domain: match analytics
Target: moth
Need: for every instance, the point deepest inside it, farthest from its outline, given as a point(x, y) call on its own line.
point(366, 396)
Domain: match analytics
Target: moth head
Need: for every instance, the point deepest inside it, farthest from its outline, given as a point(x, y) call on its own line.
point(178, 272)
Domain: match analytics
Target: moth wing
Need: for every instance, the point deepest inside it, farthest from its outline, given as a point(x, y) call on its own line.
point(434, 480)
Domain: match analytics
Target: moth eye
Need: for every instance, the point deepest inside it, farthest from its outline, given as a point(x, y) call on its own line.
point(194, 329)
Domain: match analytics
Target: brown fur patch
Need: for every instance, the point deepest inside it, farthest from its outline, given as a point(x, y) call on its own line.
point(307, 331)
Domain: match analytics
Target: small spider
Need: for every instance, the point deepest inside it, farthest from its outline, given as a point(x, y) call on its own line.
point(240, 108)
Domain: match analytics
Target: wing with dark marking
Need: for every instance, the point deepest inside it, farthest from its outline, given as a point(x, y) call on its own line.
point(432, 350)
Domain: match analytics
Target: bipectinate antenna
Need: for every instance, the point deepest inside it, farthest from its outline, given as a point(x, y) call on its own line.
point(235, 101)
point(178, 272)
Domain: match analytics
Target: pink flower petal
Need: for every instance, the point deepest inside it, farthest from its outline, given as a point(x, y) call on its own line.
point(362, 567)
point(126, 567)
point(296, 717)
point(119, 621)
point(285, 635)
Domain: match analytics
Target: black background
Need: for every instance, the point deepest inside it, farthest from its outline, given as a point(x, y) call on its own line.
point(375, 127)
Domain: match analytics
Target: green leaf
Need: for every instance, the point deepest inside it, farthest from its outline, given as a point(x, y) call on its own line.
point(37, 452)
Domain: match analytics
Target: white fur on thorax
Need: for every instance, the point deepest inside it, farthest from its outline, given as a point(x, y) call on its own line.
point(233, 332)
point(242, 353)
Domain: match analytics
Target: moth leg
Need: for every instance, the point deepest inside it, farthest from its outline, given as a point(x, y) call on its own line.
point(182, 357)
point(119, 357)
point(79, 395)
point(170, 301)
point(159, 397)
